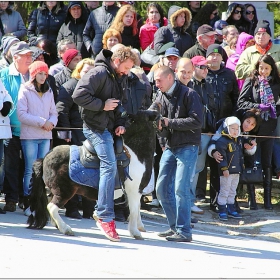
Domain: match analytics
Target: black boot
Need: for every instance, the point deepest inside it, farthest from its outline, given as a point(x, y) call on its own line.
point(26, 202)
point(252, 197)
point(267, 183)
point(237, 207)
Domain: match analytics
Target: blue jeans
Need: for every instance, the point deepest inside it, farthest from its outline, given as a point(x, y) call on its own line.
point(32, 150)
point(177, 167)
point(103, 144)
point(200, 163)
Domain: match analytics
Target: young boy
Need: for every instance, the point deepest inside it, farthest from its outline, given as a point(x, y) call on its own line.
point(230, 147)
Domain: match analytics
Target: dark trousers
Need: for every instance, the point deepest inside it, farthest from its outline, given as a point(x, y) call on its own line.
point(14, 169)
point(156, 164)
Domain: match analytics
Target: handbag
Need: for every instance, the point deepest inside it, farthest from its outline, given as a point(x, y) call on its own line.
point(148, 56)
point(251, 175)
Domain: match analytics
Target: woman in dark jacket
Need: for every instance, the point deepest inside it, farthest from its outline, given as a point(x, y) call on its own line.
point(235, 16)
point(251, 15)
point(73, 26)
point(45, 21)
point(175, 31)
point(261, 91)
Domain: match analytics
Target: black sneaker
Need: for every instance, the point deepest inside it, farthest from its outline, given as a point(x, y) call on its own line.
point(166, 233)
point(177, 237)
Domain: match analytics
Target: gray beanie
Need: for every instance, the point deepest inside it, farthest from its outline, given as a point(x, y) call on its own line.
point(6, 43)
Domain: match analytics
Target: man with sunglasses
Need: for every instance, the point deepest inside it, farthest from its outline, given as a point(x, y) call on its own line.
point(206, 36)
point(204, 89)
point(226, 92)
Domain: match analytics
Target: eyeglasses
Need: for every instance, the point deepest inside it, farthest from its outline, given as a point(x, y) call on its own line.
point(250, 12)
point(202, 67)
point(214, 14)
point(237, 12)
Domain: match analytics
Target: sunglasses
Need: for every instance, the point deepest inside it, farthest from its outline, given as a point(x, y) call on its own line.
point(214, 14)
point(250, 12)
point(202, 67)
point(237, 12)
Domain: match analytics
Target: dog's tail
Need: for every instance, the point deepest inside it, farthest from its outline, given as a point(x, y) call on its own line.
point(38, 198)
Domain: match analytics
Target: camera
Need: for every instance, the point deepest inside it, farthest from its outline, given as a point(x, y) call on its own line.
point(120, 110)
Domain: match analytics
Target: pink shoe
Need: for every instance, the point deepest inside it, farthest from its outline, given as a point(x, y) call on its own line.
point(109, 229)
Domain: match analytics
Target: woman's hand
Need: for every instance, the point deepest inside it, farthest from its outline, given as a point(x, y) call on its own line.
point(226, 173)
point(250, 146)
point(217, 156)
point(48, 126)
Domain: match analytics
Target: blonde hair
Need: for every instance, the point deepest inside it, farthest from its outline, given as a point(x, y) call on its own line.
point(110, 33)
point(124, 53)
point(79, 67)
point(118, 21)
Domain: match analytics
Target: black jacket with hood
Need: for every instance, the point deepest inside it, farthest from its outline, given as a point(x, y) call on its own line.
point(73, 29)
point(93, 89)
point(43, 24)
point(242, 25)
point(172, 33)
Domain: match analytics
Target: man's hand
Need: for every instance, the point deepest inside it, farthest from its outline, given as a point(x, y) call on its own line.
point(111, 104)
point(48, 126)
point(119, 130)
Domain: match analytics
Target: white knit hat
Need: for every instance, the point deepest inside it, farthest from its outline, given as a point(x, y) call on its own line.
point(232, 120)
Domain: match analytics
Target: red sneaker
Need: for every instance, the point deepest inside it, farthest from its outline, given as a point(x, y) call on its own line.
point(109, 229)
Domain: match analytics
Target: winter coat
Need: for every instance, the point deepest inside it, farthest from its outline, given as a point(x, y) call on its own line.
point(73, 29)
point(98, 22)
point(12, 23)
point(206, 93)
point(225, 90)
point(34, 110)
point(184, 112)
point(128, 39)
point(172, 33)
point(242, 25)
point(233, 59)
point(93, 89)
point(68, 111)
point(6, 104)
point(62, 77)
point(11, 79)
point(147, 33)
point(250, 98)
point(249, 58)
point(232, 151)
point(43, 24)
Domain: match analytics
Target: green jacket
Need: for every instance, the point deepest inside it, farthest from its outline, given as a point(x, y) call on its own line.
point(249, 58)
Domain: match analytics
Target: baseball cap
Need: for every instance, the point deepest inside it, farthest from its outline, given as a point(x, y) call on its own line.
point(199, 60)
point(214, 48)
point(205, 29)
point(20, 48)
point(219, 25)
point(172, 51)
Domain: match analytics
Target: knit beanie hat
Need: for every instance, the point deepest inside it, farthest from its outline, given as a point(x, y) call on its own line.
point(6, 43)
point(263, 26)
point(232, 120)
point(69, 55)
point(37, 67)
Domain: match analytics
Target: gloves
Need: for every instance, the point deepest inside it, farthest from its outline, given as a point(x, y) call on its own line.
point(264, 108)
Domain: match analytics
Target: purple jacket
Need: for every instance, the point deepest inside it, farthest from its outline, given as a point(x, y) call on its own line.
point(240, 47)
point(33, 111)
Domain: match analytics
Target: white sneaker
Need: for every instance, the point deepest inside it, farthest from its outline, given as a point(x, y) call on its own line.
point(154, 202)
point(197, 210)
point(27, 212)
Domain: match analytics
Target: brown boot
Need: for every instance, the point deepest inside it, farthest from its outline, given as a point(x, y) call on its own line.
point(10, 206)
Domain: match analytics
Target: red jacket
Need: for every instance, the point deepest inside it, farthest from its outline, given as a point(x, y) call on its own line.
point(147, 32)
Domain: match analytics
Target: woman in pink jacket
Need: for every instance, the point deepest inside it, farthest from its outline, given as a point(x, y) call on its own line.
point(38, 116)
point(154, 21)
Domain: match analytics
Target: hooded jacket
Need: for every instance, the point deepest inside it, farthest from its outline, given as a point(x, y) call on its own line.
point(43, 24)
point(173, 33)
point(73, 29)
point(240, 47)
point(242, 25)
point(98, 22)
point(93, 89)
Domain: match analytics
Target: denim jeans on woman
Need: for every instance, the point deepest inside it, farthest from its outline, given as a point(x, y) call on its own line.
point(103, 145)
point(32, 150)
point(173, 188)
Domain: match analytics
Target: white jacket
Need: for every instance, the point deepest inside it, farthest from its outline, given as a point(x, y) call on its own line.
point(5, 128)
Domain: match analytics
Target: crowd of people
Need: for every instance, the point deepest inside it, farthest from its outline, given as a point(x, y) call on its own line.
point(217, 82)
